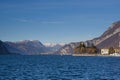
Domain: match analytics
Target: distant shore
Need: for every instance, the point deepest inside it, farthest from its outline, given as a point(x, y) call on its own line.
point(91, 55)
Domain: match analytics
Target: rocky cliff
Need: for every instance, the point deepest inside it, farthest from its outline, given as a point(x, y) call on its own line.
point(110, 37)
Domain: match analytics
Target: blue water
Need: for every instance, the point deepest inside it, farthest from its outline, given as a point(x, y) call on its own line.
point(16, 67)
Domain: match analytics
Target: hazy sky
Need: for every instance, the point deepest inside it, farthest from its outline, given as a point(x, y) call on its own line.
point(56, 20)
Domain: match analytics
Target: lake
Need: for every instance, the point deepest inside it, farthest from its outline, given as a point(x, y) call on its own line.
point(17, 67)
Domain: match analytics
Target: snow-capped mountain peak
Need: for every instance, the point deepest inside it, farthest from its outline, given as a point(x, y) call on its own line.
point(53, 44)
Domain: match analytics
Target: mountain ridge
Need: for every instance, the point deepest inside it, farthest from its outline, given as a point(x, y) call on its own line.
point(111, 37)
point(28, 47)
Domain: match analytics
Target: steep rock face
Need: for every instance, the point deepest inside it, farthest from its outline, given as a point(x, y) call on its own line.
point(28, 47)
point(111, 41)
point(3, 49)
point(113, 29)
point(110, 37)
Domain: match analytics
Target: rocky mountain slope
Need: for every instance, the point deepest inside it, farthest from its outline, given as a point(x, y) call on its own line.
point(27, 47)
point(110, 37)
point(111, 41)
point(68, 48)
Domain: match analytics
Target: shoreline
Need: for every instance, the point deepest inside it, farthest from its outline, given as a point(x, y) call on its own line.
point(94, 55)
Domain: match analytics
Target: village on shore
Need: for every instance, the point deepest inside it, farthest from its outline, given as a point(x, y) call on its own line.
point(82, 50)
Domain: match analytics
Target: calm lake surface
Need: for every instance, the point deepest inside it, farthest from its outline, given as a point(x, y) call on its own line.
point(16, 67)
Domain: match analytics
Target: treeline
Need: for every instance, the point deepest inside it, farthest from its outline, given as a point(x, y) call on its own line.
point(82, 48)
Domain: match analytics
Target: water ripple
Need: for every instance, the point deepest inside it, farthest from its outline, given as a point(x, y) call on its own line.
point(59, 68)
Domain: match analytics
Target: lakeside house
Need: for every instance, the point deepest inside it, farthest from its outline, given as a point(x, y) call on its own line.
point(105, 51)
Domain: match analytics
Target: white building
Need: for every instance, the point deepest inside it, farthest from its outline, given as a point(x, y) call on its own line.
point(105, 51)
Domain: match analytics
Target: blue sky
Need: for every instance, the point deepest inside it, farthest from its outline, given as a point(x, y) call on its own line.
point(56, 20)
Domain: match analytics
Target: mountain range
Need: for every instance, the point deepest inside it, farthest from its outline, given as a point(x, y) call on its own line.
point(110, 38)
point(27, 47)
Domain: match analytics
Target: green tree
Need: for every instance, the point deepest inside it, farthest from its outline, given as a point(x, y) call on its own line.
point(82, 44)
point(81, 48)
point(95, 50)
point(111, 50)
